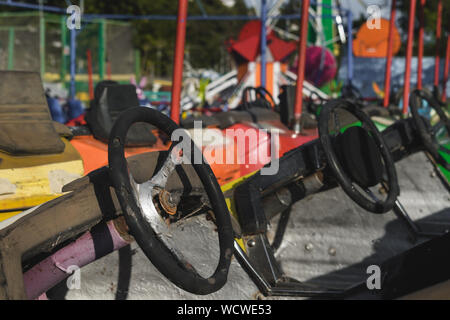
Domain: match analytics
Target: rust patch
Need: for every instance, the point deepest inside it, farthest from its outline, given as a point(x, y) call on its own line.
point(122, 229)
point(166, 203)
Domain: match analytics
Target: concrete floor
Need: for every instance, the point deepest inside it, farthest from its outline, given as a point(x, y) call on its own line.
point(330, 241)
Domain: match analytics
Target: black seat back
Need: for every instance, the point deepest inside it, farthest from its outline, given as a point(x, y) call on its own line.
point(110, 100)
point(26, 127)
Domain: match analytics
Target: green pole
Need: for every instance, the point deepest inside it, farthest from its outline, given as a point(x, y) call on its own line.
point(327, 22)
point(312, 35)
point(328, 25)
point(137, 64)
point(11, 49)
point(42, 44)
point(102, 49)
point(63, 51)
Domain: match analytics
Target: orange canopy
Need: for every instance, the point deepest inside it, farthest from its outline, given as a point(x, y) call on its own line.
point(372, 43)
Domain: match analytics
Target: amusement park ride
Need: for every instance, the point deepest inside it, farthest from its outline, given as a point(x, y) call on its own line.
point(123, 177)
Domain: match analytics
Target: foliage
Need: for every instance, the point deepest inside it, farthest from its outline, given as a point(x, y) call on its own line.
point(430, 18)
point(205, 40)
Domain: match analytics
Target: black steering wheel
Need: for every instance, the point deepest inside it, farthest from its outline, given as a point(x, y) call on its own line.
point(142, 216)
point(430, 133)
point(358, 156)
point(260, 96)
point(349, 91)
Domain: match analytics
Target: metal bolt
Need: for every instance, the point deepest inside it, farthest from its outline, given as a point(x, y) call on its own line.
point(251, 243)
point(309, 247)
point(166, 201)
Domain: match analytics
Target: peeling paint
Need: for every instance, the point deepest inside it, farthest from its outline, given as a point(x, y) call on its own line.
point(6, 187)
point(59, 178)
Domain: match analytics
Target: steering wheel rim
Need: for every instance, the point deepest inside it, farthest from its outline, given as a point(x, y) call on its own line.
point(260, 92)
point(263, 92)
point(343, 179)
point(349, 91)
point(428, 140)
point(164, 259)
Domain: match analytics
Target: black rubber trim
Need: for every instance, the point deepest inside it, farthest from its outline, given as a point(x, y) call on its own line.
point(341, 176)
point(102, 239)
point(263, 91)
point(427, 139)
point(181, 274)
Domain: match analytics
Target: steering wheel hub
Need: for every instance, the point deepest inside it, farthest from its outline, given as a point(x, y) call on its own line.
point(167, 203)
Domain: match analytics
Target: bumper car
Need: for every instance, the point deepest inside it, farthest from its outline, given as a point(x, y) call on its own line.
point(36, 157)
point(246, 132)
point(430, 117)
point(91, 137)
point(189, 227)
point(39, 156)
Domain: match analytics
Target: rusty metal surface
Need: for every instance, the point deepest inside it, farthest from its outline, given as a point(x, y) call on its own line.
point(329, 241)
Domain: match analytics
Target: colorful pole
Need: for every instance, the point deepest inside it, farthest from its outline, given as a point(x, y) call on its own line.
point(137, 64)
point(301, 65)
point(63, 51)
point(102, 49)
point(444, 81)
point(349, 48)
point(91, 83)
point(438, 40)
point(11, 49)
point(328, 27)
point(178, 60)
point(387, 78)
point(108, 69)
point(42, 43)
point(409, 47)
point(73, 50)
point(420, 44)
point(263, 43)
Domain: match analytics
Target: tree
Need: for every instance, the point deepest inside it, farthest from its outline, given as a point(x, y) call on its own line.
point(430, 19)
point(155, 39)
point(205, 40)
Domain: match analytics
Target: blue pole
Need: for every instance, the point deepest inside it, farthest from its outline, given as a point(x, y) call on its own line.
point(349, 47)
point(263, 43)
point(32, 6)
point(73, 48)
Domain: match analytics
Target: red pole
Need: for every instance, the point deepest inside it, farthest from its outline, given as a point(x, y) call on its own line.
point(387, 78)
point(409, 47)
point(301, 65)
point(420, 44)
point(438, 40)
point(108, 69)
point(178, 61)
point(444, 81)
point(91, 83)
